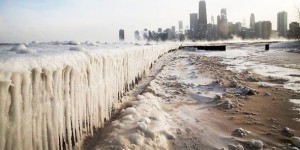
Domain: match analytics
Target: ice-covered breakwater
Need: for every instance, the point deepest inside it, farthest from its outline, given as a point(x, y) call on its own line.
point(51, 98)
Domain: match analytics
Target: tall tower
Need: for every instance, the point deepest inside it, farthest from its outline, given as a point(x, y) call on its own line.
point(252, 22)
point(193, 25)
point(222, 24)
point(202, 19)
point(282, 23)
point(180, 25)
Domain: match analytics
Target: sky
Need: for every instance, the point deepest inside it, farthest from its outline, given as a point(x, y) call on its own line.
point(100, 20)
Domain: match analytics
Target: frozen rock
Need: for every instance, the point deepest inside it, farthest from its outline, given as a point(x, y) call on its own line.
point(235, 147)
point(233, 83)
point(256, 144)
point(252, 79)
point(140, 97)
point(142, 125)
point(296, 141)
point(292, 148)
point(73, 43)
point(127, 111)
point(239, 132)
point(218, 97)
point(248, 91)
point(127, 118)
point(146, 120)
point(288, 132)
point(227, 104)
point(267, 94)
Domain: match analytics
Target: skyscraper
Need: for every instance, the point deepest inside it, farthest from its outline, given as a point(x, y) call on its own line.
point(193, 25)
point(180, 26)
point(266, 29)
point(294, 31)
point(222, 24)
point(202, 19)
point(282, 24)
point(252, 22)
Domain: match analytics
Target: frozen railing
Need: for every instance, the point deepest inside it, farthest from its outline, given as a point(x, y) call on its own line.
point(49, 100)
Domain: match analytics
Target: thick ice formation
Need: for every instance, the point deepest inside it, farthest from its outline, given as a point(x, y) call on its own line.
point(144, 125)
point(52, 99)
point(21, 49)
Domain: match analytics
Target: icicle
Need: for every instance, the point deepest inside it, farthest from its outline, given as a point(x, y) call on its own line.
point(52, 107)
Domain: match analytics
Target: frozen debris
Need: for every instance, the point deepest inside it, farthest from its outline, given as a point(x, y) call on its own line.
point(267, 94)
point(296, 141)
point(292, 148)
point(142, 125)
point(146, 120)
point(218, 97)
point(178, 131)
point(140, 97)
point(257, 144)
point(22, 49)
point(168, 135)
point(235, 147)
point(288, 132)
point(227, 104)
point(252, 78)
point(173, 77)
point(127, 111)
point(78, 48)
point(73, 43)
point(233, 83)
point(248, 91)
point(239, 132)
point(127, 118)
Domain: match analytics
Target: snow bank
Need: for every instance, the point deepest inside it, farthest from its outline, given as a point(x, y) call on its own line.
point(49, 100)
point(148, 127)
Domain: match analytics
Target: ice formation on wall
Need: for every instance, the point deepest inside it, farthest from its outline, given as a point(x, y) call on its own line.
point(49, 101)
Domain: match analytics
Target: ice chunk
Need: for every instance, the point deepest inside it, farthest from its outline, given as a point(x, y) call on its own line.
point(146, 120)
point(74, 43)
point(142, 125)
point(78, 48)
point(127, 111)
point(22, 49)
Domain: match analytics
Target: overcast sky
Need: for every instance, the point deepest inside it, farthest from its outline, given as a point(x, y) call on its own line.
point(81, 20)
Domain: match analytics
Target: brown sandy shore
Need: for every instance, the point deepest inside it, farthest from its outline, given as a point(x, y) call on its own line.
point(262, 111)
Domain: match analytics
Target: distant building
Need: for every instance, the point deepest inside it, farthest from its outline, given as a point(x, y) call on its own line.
point(173, 29)
point(282, 24)
point(222, 24)
point(137, 35)
point(238, 27)
point(258, 29)
point(202, 20)
point(180, 26)
point(193, 25)
point(159, 30)
point(121, 35)
point(211, 32)
point(252, 22)
point(266, 29)
point(294, 32)
point(230, 28)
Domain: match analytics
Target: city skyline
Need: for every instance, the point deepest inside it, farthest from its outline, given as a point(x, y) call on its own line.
point(93, 20)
